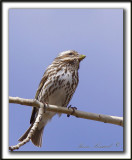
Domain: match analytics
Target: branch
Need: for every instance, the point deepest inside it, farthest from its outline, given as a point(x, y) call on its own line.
point(80, 114)
point(42, 107)
point(34, 127)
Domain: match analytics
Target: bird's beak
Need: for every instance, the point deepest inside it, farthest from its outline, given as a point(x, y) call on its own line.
point(81, 57)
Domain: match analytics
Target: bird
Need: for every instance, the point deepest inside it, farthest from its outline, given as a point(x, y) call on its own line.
point(56, 87)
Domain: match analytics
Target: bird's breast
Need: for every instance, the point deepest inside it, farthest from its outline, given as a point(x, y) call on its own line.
point(59, 88)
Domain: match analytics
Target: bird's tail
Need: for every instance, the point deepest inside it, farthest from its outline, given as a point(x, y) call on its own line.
point(36, 138)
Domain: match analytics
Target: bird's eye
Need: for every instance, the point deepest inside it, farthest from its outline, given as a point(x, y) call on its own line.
point(70, 53)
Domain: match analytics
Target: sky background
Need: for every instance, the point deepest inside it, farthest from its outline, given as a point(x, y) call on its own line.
point(36, 37)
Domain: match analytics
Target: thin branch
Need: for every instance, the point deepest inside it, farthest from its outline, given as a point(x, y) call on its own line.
point(43, 107)
point(33, 129)
point(80, 114)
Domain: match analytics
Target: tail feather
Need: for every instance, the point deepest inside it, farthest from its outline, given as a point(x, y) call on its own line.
point(36, 138)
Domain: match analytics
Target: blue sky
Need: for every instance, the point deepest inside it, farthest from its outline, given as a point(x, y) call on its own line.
point(36, 36)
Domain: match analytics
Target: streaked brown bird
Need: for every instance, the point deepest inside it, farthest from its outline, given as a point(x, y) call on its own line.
point(57, 87)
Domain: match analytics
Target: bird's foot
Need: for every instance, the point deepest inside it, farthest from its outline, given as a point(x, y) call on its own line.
point(73, 108)
point(45, 104)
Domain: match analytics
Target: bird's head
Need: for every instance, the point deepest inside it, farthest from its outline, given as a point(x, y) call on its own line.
point(70, 56)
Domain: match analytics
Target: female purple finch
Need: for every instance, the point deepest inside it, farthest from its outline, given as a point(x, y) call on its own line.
point(57, 87)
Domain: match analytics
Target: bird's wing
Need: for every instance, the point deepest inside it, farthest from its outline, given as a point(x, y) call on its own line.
point(34, 110)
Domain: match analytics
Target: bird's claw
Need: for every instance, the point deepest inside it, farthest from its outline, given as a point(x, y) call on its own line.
point(73, 108)
point(45, 104)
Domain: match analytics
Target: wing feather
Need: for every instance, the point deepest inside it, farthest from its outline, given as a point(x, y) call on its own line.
point(42, 82)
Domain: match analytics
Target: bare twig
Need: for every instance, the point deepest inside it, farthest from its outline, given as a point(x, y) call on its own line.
point(80, 114)
point(59, 109)
point(34, 127)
